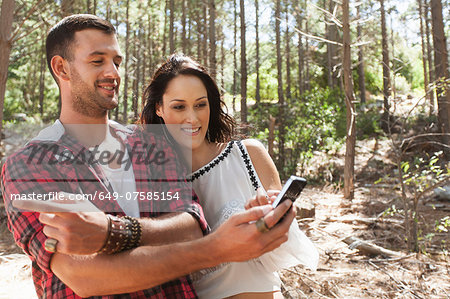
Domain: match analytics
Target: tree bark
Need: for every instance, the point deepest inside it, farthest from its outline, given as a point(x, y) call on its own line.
point(6, 20)
point(307, 83)
point(127, 46)
point(66, 7)
point(257, 89)
point(429, 52)
point(243, 68)
point(234, 56)
point(212, 39)
point(164, 49)
point(424, 57)
point(171, 28)
point(288, 57)
point(332, 54)
point(349, 167)
point(361, 75)
point(280, 88)
point(42, 69)
point(441, 69)
point(205, 36)
point(386, 69)
point(183, 25)
point(300, 51)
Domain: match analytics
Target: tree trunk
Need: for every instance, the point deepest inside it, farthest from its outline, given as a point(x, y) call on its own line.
point(6, 20)
point(205, 37)
point(108, 11)
point(171, 28)
point(349, 167)
point(222, 65)
point(127, 46)
point(257, 89)
point(280, 89)
point(199, 39)
point(361, 75)
point(301, 62)
point(288, 57)
point(243, 68)
point(332, 55)
point(234, 57)
point(183, 25)
point(394, 67)
point(116, 112)
point(429, 52)
point(212, 39)
point(386, 69)
point(164, 49)
point(188, 42)
point(66, 7)
point(441, 69)
point(42, 70)
point(307, 83)
point(424, 57)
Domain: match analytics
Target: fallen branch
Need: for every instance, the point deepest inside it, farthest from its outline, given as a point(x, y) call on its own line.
point(367, 221)
point(369, 248)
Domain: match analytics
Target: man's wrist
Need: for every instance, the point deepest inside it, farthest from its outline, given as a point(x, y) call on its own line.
point(124, 233)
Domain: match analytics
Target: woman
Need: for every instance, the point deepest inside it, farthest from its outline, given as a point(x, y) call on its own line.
point(224, 174)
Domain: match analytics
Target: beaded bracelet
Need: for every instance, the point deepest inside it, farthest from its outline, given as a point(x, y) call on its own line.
point(123, 233)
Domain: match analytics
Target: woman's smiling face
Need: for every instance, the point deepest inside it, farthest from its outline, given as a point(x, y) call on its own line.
point(185, 104)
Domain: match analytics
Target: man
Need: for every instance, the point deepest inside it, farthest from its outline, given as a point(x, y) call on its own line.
point(75, 254)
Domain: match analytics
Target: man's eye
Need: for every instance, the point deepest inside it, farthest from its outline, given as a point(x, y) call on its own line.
point(97, 61)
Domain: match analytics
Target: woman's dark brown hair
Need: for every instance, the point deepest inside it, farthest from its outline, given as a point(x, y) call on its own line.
point(221, 126)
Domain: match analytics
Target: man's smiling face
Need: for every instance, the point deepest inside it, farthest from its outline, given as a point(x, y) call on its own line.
point(94, 72)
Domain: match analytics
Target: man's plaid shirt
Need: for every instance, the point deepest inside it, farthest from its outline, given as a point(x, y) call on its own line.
point(27, 172)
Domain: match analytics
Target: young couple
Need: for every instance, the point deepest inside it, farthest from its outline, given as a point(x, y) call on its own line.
point(147, 254)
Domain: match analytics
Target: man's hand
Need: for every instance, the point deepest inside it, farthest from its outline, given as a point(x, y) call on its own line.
point(77, 233)
point(238, 239)
point(78, 226)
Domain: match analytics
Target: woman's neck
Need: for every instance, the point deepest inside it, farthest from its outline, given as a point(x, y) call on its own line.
point(202, 155)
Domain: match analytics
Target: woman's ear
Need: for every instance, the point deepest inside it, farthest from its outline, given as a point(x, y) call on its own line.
point(158, 110)
point(60, 68)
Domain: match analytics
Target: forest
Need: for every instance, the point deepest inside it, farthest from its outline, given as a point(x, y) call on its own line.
point(354, 96)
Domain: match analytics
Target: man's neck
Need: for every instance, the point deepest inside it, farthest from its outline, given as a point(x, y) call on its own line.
point(87, 130)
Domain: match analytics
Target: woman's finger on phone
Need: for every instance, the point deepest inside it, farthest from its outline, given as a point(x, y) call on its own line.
point(262, 197)
point(275, 215)
point(272, 192)
point(252, 202)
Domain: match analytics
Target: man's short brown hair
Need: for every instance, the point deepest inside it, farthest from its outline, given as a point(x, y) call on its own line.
point(60, 37)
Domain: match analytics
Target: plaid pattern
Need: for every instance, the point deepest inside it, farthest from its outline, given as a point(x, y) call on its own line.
point(24, 173)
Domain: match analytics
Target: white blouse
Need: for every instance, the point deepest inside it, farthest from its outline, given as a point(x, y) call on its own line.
point(223, 186)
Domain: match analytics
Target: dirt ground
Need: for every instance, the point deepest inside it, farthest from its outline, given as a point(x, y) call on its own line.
point(343, 271)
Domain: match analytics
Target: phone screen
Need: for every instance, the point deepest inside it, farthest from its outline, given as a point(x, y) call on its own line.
point(291, 190)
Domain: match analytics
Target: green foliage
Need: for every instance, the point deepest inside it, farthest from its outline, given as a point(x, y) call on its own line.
point(316, 121)
point(443, 224)
point(368, 124)
point(423, 173)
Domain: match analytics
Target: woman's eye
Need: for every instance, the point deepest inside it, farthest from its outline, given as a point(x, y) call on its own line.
point(178, 107)
point(201, 105)
point(97, 61)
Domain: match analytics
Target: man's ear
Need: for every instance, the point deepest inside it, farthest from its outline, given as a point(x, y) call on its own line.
point(60, 68)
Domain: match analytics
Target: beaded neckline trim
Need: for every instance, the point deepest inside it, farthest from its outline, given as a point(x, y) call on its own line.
point(248, 165)
point(205, 169)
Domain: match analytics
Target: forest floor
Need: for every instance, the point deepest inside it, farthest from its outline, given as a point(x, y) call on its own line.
point(343, 271)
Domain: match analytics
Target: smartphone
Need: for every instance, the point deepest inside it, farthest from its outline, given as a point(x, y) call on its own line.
point(291, 190)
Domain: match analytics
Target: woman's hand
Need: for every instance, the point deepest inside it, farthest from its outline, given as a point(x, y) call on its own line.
point(262, 198)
